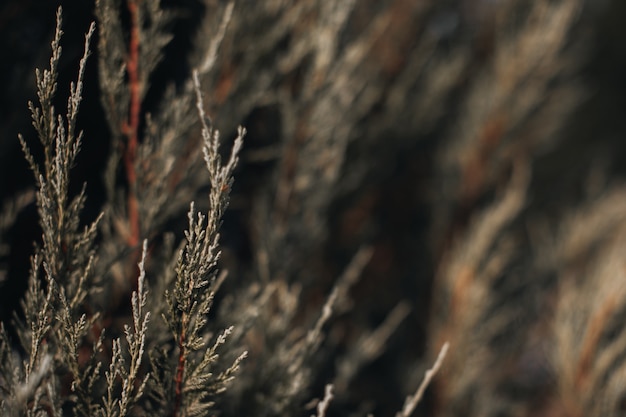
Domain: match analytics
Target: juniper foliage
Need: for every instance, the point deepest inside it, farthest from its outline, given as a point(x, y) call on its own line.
point(410, 137)
point(59, 325)
point(78, 354)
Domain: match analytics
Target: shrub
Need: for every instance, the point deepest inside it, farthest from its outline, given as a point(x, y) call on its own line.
point(78, 350)
point(412, 173)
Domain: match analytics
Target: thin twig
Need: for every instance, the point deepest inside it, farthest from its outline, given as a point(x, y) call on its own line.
point(412, 401)
point(322, 406)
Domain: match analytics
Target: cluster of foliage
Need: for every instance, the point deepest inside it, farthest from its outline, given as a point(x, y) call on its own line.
point(72, 354)
point(396, 203)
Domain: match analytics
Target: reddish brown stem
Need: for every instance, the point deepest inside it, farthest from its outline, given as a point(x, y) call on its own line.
point(180, 370)
point(131, 129)
point(591, 340)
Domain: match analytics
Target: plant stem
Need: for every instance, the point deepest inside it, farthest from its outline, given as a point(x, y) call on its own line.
point(131, 128)
point(180, 368)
